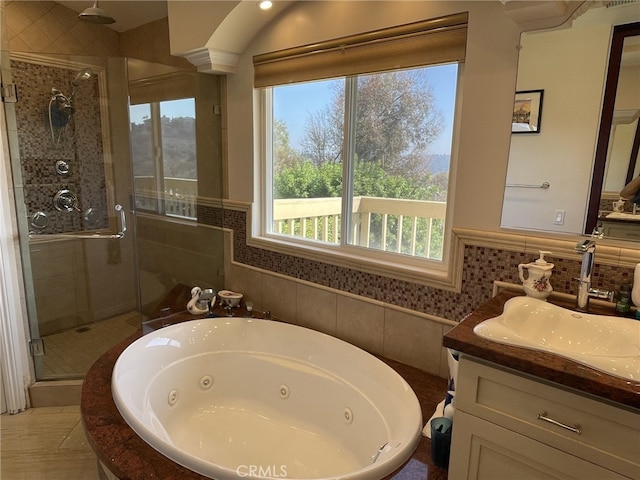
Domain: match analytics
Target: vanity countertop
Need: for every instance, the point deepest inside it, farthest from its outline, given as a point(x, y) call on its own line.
point(543, 365)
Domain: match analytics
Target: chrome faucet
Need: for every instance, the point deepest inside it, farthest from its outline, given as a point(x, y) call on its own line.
point(585, 291)
point(205, 299)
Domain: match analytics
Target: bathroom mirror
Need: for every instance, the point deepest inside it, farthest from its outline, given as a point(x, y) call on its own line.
point(616, 154)
point(570, 64)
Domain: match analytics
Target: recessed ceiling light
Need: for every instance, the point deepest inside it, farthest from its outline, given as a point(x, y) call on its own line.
point(265, 4)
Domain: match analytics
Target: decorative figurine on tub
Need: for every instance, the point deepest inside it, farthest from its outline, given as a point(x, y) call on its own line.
point(201, 300)
point(537, 284)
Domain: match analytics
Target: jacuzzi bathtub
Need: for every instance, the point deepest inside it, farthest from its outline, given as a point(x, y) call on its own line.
point(235, 397)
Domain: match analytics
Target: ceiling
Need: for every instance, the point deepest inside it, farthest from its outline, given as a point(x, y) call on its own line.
point(127, 13)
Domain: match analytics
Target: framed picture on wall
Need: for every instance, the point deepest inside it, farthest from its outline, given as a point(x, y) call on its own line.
point(527, 111)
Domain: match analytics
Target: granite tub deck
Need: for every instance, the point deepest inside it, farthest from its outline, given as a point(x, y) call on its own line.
point(543, 365)
point(127, 456)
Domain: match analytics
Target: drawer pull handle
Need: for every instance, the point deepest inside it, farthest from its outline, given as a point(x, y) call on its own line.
point(575, 429)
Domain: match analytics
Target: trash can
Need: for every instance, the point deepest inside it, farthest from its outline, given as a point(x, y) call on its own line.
point(441, 441)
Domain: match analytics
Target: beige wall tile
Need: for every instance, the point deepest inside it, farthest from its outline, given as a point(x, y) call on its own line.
point(55, 296)
point(17, 18)
point(50, 260)
point(35, 10)
point(51, 27)
point(361, 323)
point(413, 340)
point(64, 15)
point(279, 297)
point(317, 309)
point(245, 281)
point(101, 292)
point(35, 38)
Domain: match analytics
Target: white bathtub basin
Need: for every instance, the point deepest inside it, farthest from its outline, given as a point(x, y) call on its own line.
point(234, 397)
point(606, 343)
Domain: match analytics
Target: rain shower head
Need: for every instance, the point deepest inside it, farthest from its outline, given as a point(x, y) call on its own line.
point(96, 14)
point(84, 74)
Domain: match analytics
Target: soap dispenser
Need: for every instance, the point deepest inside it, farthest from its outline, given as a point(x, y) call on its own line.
point(537, 284)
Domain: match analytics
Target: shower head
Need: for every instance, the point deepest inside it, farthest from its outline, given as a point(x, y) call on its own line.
point(84, 74)
point(96, 14)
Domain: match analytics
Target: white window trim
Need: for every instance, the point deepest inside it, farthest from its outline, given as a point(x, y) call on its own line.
point(445, 274)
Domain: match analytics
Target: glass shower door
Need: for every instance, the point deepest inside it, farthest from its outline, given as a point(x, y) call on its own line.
point(72, 177)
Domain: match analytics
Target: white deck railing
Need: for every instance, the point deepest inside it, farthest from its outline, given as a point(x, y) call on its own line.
point(405, 226)
point(179, 198)
point(415, 224)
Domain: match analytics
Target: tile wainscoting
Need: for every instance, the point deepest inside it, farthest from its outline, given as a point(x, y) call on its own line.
point(400, 320)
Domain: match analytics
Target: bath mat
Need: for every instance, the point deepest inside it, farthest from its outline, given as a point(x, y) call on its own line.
point(413, 470)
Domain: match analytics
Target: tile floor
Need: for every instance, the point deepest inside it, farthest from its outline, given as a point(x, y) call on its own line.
point(45, 444)
point(72, 352)
point(48, 443)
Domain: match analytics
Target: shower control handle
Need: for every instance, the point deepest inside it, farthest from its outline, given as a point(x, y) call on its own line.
point(65, 201)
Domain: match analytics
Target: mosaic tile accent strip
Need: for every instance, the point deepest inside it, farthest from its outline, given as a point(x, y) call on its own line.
point(80, 147)
point(482, 266)
point(210, 215)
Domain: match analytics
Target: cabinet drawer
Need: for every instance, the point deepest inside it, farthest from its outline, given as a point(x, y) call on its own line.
point(577, 424)
point(484, 451)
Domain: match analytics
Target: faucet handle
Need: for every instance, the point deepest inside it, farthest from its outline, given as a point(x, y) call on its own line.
point(586, 245)
point(598, 231)
point(602, 294)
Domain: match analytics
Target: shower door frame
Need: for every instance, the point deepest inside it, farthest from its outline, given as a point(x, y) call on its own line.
point(25, 241)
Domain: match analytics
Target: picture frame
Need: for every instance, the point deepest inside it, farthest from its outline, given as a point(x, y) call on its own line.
point(527, 112)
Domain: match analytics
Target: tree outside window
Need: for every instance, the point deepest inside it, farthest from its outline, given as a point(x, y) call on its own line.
point(163, 148)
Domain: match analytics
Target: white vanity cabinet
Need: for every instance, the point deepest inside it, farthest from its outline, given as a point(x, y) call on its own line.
point(511, 426)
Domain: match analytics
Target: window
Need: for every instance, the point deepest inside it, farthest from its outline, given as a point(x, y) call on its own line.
point(163, 144)
point(395, 165)
point(358, 163)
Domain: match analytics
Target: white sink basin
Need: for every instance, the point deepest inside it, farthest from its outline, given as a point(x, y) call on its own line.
point(607, 343)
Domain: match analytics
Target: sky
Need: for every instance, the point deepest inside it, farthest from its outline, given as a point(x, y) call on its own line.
point(170, 108)
point(442, 79)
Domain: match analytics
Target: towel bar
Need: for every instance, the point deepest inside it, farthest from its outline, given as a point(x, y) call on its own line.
point(544, 185)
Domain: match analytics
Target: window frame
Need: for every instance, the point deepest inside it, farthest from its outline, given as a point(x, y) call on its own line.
point(439, 273)
point(159, 180)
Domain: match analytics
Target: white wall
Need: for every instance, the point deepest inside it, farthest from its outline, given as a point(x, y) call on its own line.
point(487, 91)
point(191, 22)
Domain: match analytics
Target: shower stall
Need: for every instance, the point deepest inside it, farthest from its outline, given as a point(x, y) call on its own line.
point(108, 157)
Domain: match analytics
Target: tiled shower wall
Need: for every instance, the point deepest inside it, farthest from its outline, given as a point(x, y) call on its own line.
point(49, 27)
point(79, 145)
